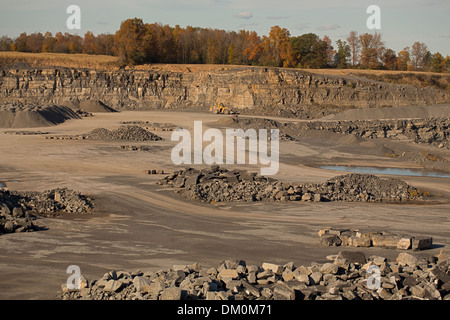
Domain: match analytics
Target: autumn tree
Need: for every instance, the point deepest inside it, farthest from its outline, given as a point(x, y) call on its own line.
point(328, 50)
point(129, 41)
point(90, 43)
point(48, 43)
point(20, 43)
point(253, 46)
point(437, 63)
point(104, 44)
point(5, 43)
point(403, 60)
point(389, 59)
point(275, 48)
point(353, 42)
point(419, 56)
point(372, 48)
point(447, 62)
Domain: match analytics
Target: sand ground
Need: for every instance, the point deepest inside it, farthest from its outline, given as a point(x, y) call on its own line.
point(141, 225)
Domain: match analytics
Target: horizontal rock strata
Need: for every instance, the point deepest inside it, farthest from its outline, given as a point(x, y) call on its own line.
point(263, 91)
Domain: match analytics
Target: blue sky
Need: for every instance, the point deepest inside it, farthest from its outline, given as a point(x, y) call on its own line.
point(402, 21)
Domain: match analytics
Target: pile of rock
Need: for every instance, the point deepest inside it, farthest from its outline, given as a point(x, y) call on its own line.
point(428, 131)
point(331, 237)
point(152, 126)
point(217, 184)
point(347, 276)
point(135, 148)
point(15, 220)
point(127, 133)
point(124, 133)
point(47, 202)
point(25, 133)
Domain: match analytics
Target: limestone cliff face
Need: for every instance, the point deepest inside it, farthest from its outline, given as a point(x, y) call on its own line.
point(265, 91)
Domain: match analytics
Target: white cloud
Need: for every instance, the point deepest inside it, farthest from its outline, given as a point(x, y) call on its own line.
point(244, 15)
point(302, 26)
point(328, 27)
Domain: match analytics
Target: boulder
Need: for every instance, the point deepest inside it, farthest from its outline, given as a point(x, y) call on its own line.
point(172, 293)
point(421, 243)
point(329, 240)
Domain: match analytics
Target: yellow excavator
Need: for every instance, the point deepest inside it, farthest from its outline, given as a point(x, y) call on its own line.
point(219, 108)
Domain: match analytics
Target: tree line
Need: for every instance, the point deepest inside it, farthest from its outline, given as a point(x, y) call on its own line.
point(137, 42)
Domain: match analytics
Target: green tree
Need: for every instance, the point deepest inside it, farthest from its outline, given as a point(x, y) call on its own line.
point(343, 54)
point(309, 51)
point(437, 63)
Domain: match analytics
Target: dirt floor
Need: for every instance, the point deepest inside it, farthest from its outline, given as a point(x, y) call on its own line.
point(141, 225)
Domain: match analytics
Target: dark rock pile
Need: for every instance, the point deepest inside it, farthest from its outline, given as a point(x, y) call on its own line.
point(347, 276)
point(127, 133)
point(15, 220)
point(17, 209)
point(217, 184)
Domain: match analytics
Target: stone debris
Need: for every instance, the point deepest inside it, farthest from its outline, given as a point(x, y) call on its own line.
point(18, 209)
point(152, 126)
point(25, 133)
point(333, 237)
point(217, 184)
point(135, 148)
point(15, 220)
point(434, 131)
point(154, 171)
point(347, 276)
point(124, 133)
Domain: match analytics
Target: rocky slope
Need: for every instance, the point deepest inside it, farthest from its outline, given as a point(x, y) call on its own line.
point(255, 90)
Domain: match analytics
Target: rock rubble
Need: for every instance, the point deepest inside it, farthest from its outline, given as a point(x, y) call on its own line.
point(124, 133)
point(217, 184)
point(332, 237)
point(348, 275)
point(18, 209)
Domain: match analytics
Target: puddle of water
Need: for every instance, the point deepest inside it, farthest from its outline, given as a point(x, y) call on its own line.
point(389, 171)
point(2, 185)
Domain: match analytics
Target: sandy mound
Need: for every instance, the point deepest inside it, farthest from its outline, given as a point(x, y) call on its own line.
point(393, 113)
point(87, 106)
point(95, 106)
point(32, 116)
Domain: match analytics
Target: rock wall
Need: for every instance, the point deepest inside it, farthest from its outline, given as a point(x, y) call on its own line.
point(266, 91)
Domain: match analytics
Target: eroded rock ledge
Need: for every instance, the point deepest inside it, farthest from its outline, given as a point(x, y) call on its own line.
point(263, 91)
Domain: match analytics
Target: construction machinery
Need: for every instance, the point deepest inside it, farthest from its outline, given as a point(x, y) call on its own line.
point(219, 108)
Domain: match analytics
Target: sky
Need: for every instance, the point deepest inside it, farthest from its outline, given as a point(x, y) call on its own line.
point(403, 22)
